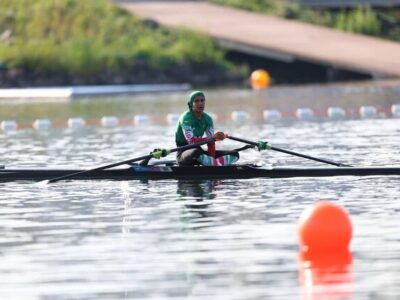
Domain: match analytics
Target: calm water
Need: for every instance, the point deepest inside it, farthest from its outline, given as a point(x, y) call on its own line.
point(228, 239)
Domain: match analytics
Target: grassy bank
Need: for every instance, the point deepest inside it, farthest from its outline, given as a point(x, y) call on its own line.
point(383, 22)
point(95, 42)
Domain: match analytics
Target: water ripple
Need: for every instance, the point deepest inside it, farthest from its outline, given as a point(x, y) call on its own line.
point(225, 239)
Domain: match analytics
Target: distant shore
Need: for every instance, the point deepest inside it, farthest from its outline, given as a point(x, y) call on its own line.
point(15, 78)
point(79, 43)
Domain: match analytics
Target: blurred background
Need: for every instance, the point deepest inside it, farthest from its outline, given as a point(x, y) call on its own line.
point(284, 55)
point(93, 42)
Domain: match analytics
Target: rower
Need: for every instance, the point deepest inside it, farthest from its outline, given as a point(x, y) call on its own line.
point(191, 127)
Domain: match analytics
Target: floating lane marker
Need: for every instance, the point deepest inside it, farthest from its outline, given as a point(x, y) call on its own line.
point(141, 120)
point(76, 123)
point(335, 112)
point(368, 112)
point(9, 125)
point(42, 124)
point(324, 227)
point(324, 232)
point(395, 109)
point(272, 115)
point(240, 116)
point(109, 121)
point(172, 118)
point(304, 113)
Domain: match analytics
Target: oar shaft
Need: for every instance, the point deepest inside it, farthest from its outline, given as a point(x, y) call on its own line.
point(100, 168)
point(182, 148)
point(308, 157)
point(290, 152)
point(242, 140)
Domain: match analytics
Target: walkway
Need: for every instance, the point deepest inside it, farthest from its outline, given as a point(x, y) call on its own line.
point(276, 38)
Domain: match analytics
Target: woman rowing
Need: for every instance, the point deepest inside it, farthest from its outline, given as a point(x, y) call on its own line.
point(191, 128)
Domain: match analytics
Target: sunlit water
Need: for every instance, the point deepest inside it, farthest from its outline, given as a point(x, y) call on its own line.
point(227, 239)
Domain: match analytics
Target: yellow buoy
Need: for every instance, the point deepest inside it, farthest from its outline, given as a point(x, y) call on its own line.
point(260, 79)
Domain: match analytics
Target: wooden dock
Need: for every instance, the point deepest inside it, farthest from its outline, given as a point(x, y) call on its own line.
point(276, 38)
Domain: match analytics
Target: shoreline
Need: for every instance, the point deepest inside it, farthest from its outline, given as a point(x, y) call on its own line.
point(78, 91)
point(89, 90)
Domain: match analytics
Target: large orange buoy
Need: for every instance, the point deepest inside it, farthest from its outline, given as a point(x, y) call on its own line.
point(324, 227)
point(260, 79)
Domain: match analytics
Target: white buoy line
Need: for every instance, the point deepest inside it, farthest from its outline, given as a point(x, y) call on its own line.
point(269, 116)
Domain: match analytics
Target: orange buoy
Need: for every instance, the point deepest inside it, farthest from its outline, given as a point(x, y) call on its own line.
point(324, 227)
point(260, 79)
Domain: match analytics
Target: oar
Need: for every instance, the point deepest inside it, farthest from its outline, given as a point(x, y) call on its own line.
point(155, 154)
point(289, 152)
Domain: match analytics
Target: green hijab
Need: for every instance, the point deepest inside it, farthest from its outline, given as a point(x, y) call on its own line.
point(192, 96)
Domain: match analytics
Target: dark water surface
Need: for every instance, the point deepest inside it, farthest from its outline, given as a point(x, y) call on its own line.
point(227, 239)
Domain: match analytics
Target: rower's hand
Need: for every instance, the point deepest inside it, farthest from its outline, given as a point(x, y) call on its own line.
point(158, 153)
point(219, 136)
point(263, 146)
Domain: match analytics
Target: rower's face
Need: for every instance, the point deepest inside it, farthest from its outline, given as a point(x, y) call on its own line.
point(199, 104)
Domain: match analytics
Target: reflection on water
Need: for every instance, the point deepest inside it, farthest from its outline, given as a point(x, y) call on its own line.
point(226, 239)
point(197, 190)
point(326, 275)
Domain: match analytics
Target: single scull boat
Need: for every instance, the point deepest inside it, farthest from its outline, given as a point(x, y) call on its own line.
point(157, 172)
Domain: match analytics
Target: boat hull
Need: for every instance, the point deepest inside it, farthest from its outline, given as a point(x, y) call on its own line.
point(193, 173)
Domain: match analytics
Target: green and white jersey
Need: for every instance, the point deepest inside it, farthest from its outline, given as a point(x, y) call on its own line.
point(190, 130)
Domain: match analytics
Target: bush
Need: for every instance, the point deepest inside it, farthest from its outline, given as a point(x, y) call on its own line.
point(364, 20)
point(90, 37)
point(361, 20)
